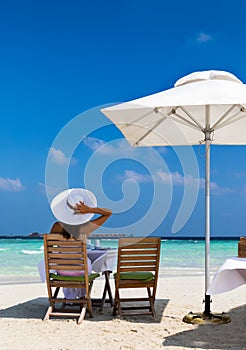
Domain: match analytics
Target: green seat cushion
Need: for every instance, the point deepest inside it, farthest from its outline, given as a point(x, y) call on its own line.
point(57, 277)
point(141, 275)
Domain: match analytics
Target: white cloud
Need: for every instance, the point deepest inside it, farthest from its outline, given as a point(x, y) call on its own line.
point(176, 179)
point(47, 189)
point(216, 189)
point(122, 147)
point(11, 185)
point(93, 143)
point(203, 38)
point(159, 176)
point(240, 175)
point(57, 156)
point(133, 175)
point(119, 146)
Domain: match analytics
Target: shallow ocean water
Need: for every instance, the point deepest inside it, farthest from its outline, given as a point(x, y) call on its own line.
point(20, 257)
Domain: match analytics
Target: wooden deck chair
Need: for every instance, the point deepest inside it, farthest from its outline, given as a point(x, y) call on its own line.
point(61, 255)
point(137, 267)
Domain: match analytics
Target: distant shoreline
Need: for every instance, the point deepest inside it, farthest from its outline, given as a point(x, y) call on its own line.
point(217, 238)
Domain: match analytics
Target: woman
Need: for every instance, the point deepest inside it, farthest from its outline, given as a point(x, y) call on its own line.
point(85, 228)
point(77, 206)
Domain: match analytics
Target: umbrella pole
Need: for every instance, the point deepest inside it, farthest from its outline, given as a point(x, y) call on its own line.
point(207, 316)
point(207, 310)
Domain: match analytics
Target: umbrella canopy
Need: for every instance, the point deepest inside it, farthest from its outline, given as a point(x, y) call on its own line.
point(201, 102)
point(208, 106)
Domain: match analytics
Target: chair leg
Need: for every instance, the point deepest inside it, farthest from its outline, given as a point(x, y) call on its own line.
point(117, 304)
point(82, 314)
point(115, 307)
point(52, 305)
point(107, 276)
point(119, 309)
point(151, 301)
point(150, 296)
point(152, 306)
point(89, 307)
point(88, 302)
point(47, 315)
point(107, 289)
point(103, 299)
point(116, 299)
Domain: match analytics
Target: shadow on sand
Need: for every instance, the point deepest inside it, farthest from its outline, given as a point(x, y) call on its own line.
point(32, 309)
point(36, 309)
point(209, 336)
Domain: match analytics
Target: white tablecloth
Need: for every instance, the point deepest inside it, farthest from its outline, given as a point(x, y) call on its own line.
point(231, 275)
point(106, 262)
point(102, 260)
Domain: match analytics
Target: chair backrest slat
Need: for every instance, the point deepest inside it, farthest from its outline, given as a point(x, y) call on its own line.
point(137, 268)
point(65, 254)
point(137, 258)
point(66, 261)
point(139, 246)
point(68, 267)
point(138, 254)
point(52, 243)
point(53, 249)
point(138, 263)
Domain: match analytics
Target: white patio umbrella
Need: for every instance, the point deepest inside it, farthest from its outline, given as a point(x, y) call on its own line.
point(207, 106)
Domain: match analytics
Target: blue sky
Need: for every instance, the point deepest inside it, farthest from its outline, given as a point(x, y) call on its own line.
point(61, 61)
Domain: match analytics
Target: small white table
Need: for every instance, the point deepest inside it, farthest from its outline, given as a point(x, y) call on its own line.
point(231, 275)
point(105, 263)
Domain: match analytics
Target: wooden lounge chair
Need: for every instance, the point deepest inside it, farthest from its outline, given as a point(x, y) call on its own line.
point(138, 266)
point(67, 255)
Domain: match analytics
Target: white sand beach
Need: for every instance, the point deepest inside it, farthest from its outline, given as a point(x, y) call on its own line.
point(23, 306)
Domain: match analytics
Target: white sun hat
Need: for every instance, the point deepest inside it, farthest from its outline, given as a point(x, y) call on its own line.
point(62, 205)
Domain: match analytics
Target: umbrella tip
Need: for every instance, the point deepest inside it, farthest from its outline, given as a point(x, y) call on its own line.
point(207, 75)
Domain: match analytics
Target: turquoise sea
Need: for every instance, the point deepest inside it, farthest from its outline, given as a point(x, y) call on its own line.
point(19, 256)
